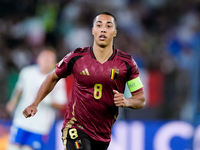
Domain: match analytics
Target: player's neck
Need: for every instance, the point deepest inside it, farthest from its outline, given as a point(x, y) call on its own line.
point(102, 54)
point(44, 71)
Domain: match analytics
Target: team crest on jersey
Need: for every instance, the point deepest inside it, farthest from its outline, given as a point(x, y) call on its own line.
point(78, 144)
point(114, 73)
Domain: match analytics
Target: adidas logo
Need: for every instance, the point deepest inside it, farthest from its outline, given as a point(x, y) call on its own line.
point(85, 72)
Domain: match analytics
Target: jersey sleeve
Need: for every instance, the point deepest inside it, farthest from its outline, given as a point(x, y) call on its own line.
point(133, 70)
point(134, 83)
point(63, 68)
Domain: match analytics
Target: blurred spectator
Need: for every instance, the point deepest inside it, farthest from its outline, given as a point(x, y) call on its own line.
point(29, 134)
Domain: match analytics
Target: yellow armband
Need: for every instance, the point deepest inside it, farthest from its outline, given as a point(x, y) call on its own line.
point(134, 84)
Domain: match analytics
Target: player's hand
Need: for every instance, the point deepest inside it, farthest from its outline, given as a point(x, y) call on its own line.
point(119, 99)
point(30, 111)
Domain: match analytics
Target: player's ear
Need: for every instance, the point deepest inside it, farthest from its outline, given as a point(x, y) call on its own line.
point(92, 31)
point(115, 33)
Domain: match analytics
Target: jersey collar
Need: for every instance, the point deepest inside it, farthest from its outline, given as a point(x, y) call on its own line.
point(110, 58)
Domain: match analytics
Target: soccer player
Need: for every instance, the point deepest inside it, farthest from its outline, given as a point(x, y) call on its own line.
point(100, 74)
point(29, 134)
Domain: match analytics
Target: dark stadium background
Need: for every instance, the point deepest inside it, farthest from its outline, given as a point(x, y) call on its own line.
point(163, 36)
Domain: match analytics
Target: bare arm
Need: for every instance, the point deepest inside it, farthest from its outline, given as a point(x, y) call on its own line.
point(58, 106)
point(137, 100)
point(46, 87)
point(14, 100)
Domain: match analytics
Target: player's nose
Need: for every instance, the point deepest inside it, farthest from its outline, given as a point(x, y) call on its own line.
point(103, 30)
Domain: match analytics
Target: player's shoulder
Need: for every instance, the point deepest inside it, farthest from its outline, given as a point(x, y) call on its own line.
point(30, 68)
point(123, 55)
point(82, 50)
point(78, 52)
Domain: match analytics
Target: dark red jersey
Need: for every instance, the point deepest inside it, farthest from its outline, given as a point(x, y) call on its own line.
point(92, 107)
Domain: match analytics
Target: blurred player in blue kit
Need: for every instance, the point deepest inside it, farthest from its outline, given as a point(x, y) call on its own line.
point(29, 134)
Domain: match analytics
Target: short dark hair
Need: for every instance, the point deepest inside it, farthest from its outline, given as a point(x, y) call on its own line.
point(106, 13)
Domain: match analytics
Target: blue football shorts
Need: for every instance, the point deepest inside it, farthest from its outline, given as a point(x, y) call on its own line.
point(23, 137)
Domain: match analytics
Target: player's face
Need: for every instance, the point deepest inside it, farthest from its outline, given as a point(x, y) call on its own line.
point(46, 61)
point(104, 30)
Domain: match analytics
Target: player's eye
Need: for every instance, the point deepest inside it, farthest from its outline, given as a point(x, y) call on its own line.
point(98, 25)
point(109, 26)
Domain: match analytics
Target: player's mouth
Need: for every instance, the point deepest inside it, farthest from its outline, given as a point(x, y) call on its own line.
point(102, 37)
